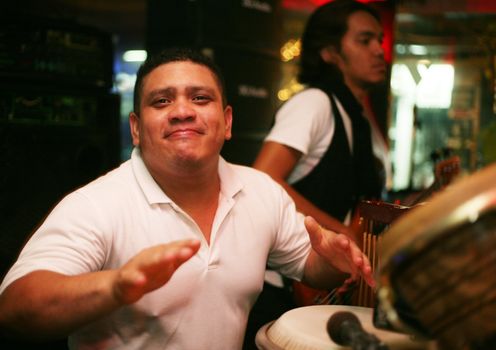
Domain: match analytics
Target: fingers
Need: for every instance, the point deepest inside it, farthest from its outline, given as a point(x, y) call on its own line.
point(339, 251)
point(177, 253)
point(151, 269)
point(166, 259)
point(362, 264)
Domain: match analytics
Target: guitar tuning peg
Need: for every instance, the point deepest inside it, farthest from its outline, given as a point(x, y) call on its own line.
point(447, 152)
point(435, 156)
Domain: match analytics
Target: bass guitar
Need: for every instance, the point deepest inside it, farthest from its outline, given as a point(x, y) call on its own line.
point(371, 219)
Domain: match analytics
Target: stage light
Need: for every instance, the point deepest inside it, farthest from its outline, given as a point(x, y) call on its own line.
point(134, 56)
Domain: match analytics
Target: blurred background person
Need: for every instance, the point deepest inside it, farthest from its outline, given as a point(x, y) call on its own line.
point(320, 148)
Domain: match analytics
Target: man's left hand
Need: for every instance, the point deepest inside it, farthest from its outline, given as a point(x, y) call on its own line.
point(339, 251)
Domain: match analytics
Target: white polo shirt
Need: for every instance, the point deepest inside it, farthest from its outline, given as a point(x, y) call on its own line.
point(206, 303)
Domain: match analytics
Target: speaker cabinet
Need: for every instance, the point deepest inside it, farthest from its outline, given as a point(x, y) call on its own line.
point(252, 83)
point(244, 38)
point(243, 24)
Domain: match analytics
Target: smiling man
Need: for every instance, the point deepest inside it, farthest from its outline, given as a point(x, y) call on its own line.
point(169, 250)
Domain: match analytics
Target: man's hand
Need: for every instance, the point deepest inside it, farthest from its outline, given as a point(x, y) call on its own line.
point(151, 269)
point(339, 251)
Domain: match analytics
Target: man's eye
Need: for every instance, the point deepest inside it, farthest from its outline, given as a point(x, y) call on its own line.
point(161, 101)
point(201, 98)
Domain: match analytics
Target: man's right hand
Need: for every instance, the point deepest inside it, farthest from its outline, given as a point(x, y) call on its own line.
point(150, 269)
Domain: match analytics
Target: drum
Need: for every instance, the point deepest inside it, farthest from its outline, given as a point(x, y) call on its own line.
point(437, 274)
point(306, 328)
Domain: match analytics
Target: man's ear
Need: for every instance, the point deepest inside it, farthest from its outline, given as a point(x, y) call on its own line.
point(329, 55)
point(134, 126)
point(228, 122)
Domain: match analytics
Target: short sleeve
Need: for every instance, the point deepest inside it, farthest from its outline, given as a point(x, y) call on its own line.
point(72, 240)
point(292, 244)
point(303, 121)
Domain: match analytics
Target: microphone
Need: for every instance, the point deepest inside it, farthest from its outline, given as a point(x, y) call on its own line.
point(345, 329)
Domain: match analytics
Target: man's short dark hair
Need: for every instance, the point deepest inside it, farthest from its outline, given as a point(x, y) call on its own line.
point(326, 27)
point(175, 54)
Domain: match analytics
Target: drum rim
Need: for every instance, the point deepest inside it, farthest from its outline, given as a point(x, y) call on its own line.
point(262, 340)
point(461, 203)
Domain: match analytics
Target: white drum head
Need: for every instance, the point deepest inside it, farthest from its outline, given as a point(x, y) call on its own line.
point(304, 328)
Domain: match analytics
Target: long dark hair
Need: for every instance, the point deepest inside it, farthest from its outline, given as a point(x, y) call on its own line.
point(326, 27)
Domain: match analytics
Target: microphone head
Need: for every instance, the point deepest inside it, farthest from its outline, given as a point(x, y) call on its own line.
point(335, 326)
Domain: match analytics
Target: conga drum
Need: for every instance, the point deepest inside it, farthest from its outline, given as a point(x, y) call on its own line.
point(437, 275)
point(305, 328)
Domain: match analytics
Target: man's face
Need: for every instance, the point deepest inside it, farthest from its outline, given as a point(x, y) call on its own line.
point(361, 59)
point(182, 121)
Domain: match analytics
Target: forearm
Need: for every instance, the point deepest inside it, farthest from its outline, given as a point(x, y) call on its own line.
point(279, 161)
point(320, 274)
point(45, 304)
point(306, 207)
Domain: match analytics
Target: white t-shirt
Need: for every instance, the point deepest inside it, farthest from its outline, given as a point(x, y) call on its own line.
point(306, 123)
point(206, 303)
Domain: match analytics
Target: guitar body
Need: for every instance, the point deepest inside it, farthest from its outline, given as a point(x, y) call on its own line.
point(306, 296)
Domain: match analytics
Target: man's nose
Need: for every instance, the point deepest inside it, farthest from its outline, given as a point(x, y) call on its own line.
point(378, 48)
point(182, 110)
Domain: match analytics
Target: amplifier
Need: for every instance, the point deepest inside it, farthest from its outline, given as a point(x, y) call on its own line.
point(239, 24)
point(51, 141)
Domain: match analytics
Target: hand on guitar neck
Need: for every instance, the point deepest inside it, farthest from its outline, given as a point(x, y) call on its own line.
point(446, 169)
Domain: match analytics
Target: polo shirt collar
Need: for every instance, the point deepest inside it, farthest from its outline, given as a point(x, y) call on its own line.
point(149, 186)
point(230, 182)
